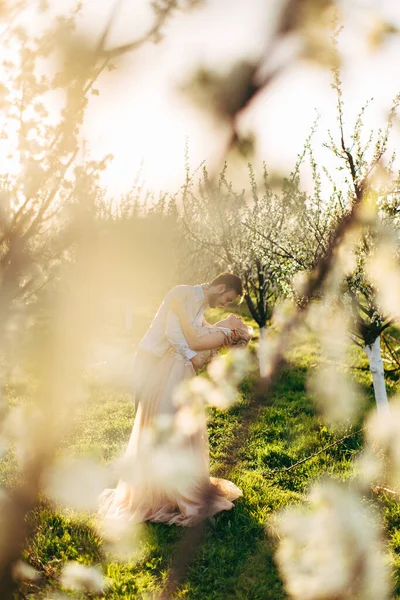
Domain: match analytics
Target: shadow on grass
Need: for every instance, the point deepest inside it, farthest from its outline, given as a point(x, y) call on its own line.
point(234, 561)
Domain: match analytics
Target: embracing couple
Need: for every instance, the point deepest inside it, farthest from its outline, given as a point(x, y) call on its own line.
point(165, 469)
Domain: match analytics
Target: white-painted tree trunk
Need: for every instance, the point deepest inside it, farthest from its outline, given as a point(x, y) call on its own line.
point(378, 374)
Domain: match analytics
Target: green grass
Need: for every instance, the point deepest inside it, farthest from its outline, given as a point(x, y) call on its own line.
point(236, 558)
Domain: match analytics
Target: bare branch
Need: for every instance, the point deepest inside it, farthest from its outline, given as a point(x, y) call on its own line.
point(151, 34)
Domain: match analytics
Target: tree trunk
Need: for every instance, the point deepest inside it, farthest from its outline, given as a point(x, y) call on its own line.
point(261, 320)
point(373, 351)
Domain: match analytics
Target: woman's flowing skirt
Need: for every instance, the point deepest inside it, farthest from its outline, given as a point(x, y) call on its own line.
point(165, 470)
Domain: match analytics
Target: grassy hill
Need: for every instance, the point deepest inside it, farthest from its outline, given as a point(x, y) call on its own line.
point(252, 444)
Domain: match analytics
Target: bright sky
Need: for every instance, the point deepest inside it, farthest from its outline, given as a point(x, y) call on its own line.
point(142, 117)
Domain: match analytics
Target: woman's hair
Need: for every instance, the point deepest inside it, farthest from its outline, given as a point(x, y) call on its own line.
point(232, 282)
point(241, 337)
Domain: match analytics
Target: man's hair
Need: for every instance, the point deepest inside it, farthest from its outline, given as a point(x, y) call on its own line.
point(232, 282)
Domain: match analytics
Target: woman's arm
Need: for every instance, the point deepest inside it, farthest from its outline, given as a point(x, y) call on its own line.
point(212, 340)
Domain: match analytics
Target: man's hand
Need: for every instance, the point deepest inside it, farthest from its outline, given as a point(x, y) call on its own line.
point(197, 362)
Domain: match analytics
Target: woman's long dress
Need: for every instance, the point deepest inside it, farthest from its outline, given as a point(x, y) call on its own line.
point(165, 470)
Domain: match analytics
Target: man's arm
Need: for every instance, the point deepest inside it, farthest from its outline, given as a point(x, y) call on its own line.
point(173, 330)
point(215, 339)
point(206, 323)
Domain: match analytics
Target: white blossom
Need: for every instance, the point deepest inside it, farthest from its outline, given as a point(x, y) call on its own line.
point(368, 468)
point(331, 326)
point(192, 390)
point(383, 444)
point(333, 549)
point(76, 483)
point(189, 419)
point(168, 465)
point(231, 367)
point(299, 282)
point(219, 392)
point(346, 257)
point(266, 352)
point(81, 578)
point(122, 536)
point(383, 271)
point(223, 397)
point(23, 572)
point(283, 312)
point(335, 395)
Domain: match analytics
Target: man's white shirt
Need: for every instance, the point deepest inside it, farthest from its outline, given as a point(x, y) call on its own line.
point(165, 329)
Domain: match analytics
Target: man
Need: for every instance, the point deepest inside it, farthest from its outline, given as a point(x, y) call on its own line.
point(165, 329)
point(186, 495)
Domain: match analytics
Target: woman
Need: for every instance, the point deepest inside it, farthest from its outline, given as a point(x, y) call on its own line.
point(165, 470)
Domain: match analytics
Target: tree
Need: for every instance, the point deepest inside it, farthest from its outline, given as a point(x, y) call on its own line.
point(223, 229)
point(370, 183)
